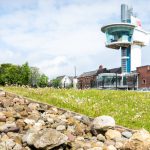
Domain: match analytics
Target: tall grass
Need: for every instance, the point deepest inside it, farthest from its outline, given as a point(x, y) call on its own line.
point(129, 108)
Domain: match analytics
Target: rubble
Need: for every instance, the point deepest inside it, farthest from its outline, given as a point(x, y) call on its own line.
point(29, 125)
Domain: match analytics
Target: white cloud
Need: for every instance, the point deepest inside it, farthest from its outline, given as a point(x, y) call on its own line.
point(58, 35)
point(7, 56)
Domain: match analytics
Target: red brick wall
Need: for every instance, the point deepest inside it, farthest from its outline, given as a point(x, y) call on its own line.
point(144, 76)
point(85, 82)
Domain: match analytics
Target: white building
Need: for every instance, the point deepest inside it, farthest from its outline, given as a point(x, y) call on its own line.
point(65, 81)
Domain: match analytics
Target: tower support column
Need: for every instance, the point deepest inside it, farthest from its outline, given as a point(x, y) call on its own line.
point(135, 57)
point(126, 59)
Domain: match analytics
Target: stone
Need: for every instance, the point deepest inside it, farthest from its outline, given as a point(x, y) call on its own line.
point(71, 129)
point(3, 146)
point(39, 125)
point(112, 134)
point(18, 108)
point(111, 147)
point(71, 137)
point(109, 142)
point(10, 144)
point(47, 138)
point(29, 121)
point(119, 145)
point(30, 136)
point(87, 145)
point(61, 128)
point(86, 120)
point(79, 129)
point(50, 120)
point(18, 100)
point(77, 117)
point(126, 134)
point(80, 138)
point(2, 117)
point(9, 114)
point(98, 144)
point(33, 106)
point(4, 138)
point(10, 119)
point(62, 117)
point(103, 123)
point(34, 115)
point(54, 110)
point(7, 125)
point(7, 103)
point(140, 140)
point(95, 148)
point(17, 147)
point(11, 129)
point(15, 136)
point(20, 123)
point(71, 121)
point(100, 137)
point(24, 113)
point(27, 148)
point(2, 94)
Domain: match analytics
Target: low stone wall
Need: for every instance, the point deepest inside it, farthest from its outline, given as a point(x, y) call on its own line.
point(29, 125)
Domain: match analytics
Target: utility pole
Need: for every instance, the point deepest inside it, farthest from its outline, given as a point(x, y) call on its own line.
point(75, 71)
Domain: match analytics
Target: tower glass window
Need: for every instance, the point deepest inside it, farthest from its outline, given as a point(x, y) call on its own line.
point(118, 34)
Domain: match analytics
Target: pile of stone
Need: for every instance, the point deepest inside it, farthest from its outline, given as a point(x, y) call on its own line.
point(28, 125)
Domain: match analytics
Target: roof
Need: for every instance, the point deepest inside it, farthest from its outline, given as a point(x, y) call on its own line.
point(61, 77)
point(90, 73)
point(99, 71)
point(71, 78)
point(115, 70)
point(127, 25)
point(144, 66)
point(103, 70)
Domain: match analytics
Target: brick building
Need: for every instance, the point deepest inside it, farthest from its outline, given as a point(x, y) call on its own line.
point(110, 78)
point(143, 76)
point(87, 79)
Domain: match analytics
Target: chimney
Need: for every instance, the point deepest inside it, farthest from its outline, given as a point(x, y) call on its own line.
point(101, 67)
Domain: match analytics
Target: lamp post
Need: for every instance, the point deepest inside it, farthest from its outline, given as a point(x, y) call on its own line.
point(116, 81)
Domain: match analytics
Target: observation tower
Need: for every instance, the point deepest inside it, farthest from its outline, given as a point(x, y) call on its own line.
point(128, 37)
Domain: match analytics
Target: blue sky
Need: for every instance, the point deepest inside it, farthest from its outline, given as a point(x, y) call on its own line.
point(56, 35)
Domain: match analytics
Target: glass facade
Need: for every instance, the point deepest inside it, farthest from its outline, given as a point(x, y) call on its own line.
point(126, 59)
point(108, 80)
point(113, 80)
point(119, 34)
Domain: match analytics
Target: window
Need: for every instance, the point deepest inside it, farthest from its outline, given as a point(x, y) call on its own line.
point(143, 81)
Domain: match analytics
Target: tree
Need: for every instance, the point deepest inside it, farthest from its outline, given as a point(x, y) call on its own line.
point(34, 76)
point(13, 74)
point(25, 74)
point(9, 74)
point(43, 81)
point(55, 83)
point(22, 75)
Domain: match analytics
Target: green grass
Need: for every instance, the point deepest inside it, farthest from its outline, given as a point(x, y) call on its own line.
point(130, 109)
